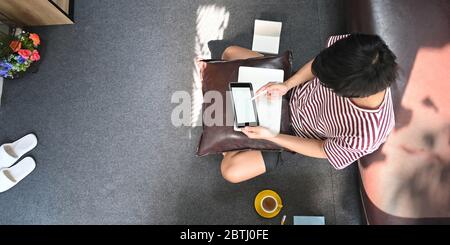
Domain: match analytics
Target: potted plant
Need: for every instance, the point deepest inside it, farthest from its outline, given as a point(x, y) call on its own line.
point(18, 53)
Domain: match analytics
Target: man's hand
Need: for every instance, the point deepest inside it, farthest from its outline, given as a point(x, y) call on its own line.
point(274, 89)
point(258, 133)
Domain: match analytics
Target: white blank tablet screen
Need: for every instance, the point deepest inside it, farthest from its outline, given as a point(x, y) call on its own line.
point(243, 105)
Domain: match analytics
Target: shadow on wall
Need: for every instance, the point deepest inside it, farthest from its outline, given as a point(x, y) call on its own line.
point(416, 158)
point(422, 195)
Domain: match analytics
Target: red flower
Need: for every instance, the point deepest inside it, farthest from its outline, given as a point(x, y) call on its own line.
point(35, 38)
point(25, 53)
point(15, 45)
point(35, 56)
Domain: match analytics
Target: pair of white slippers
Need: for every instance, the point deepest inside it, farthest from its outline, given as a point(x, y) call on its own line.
point(10, 173)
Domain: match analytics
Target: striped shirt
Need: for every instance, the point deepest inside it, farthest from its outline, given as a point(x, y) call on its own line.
point(349, 131)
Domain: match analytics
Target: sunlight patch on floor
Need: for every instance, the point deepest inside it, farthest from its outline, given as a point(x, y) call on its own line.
point(212, 21)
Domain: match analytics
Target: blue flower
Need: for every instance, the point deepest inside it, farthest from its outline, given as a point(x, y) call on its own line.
point(20, 59)
point(8, 66)
point(4, 73)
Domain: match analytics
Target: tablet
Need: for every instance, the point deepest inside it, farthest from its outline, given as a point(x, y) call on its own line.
point(244, 107)
point(269, 111)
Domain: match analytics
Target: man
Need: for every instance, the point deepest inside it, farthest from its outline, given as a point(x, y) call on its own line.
point(341, 106)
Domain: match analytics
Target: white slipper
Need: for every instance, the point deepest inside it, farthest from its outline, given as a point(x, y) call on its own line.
point(9, 177)
point(10, 153)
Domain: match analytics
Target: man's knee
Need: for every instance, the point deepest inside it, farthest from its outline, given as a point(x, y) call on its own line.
point(230, 173)
point(228, 52)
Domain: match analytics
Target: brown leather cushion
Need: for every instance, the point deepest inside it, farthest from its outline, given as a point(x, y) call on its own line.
point(216, 75)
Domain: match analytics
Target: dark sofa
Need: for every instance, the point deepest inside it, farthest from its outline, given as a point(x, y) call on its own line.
point(407, 181)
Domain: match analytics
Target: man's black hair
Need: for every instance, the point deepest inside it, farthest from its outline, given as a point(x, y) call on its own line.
point(357, 66)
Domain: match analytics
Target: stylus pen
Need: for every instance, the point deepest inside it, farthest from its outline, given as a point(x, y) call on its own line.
point(256, 96)
point(283, 219)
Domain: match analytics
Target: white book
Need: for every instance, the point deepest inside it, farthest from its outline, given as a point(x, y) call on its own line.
point(266, 36)
point(309, 220)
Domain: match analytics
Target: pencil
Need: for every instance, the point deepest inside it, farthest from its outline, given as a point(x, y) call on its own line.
point(283, 219)
point(256, 96)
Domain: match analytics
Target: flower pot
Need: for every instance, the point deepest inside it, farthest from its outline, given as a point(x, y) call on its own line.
point(23, 57)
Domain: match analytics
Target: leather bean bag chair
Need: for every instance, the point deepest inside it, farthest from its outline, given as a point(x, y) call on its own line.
point(407, 181)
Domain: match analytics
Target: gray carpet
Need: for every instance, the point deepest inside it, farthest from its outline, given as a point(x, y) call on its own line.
point(100, 106)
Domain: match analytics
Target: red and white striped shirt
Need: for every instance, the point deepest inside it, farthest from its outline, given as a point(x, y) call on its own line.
point(349, 131)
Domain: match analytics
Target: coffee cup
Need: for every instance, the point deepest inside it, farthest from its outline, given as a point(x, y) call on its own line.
point(269, 204)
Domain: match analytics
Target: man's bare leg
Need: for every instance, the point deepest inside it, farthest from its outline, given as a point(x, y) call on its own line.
point(237, 53)
point(239, 166)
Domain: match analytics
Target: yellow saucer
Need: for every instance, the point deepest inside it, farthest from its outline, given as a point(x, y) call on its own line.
point(258, 207)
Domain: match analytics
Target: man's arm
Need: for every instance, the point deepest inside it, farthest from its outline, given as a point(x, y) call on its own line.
point(279, 89)
point(301, 76)
point(307, 147)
